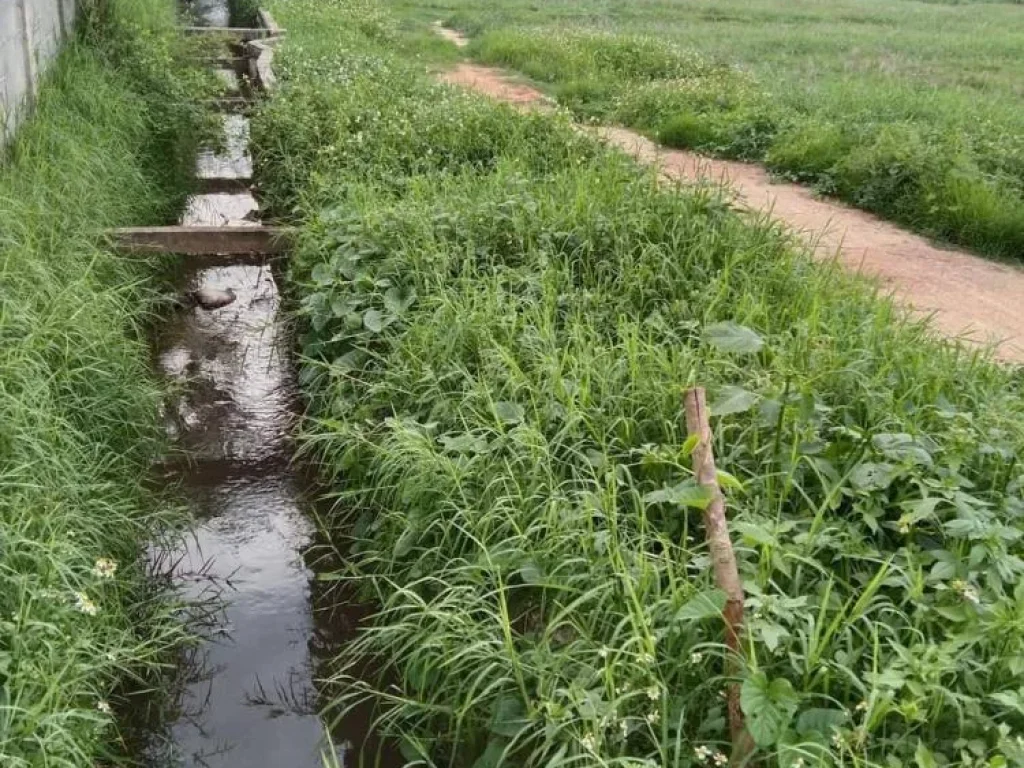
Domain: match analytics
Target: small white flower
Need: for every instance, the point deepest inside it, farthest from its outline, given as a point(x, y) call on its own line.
point(105, 568)
point(702, 753)
point(837, 740)
point(603, 652)
point(646, 659)
point(588, 742)
point(720, 759)
point(696, 657)
point(103, 706)
point(85, 605)
point(861, 707)
point(654, 693)
point(798, 763)
point(653, 717)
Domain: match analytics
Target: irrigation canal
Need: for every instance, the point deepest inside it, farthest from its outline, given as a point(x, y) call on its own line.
point(245, 698)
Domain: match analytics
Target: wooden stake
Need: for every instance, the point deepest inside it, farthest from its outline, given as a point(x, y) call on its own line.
point(727, 577)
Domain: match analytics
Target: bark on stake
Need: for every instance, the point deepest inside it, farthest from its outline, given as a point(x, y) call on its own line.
point(727, 576)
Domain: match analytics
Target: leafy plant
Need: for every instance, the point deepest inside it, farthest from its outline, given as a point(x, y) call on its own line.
point(497, 319)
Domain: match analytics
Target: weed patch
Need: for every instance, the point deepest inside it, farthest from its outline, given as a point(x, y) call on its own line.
point(498, 320)
point(898, 166)
point(108, 145)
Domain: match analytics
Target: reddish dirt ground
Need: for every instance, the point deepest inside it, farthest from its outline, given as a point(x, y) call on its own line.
point(969, 298)
point(497, 85)
point(451, 35)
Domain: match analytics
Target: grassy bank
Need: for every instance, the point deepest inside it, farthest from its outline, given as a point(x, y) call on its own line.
point(911, 110)
point(109, 144)
point(498, 320)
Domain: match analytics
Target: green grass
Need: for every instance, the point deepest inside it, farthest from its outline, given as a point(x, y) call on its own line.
point(498, 318)
point(911, 110)
point(109, 144)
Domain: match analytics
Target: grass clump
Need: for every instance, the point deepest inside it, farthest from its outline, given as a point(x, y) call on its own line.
point(107, 145)
point(496, 335)
point(957, 182)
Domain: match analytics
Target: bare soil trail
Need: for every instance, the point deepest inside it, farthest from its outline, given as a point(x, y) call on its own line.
point(968, 297)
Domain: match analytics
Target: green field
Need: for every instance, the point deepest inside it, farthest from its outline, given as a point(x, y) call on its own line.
point(912, 110)
point(109, 144)
point(497, 318)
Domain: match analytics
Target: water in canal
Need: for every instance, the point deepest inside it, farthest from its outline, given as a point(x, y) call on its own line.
point(246, 697)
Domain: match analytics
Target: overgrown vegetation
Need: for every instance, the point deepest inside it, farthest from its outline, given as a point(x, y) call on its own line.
point(499, 320)
point(925, 157)
point(109, 144)
point(908, 109)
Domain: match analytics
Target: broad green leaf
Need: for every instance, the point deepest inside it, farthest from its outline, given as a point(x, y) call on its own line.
point(351, 361)
point(508, 717)
point(943, 570)
point(755, 534)
point(493, 754)
point(731, 482)
point(919, 509)
point(823, 721)
point(341, 307)
point(685, 494)
point(769, 412)
point(901, 447)
point(768, 706)
point(396, 300)
point(956, 613)
point(890, 679)
point(1012, 699)
point(373, 320)
point(465, 443)
point(871, 476)
point(732, 337)
point(412, 749)
point(924, 757)
point(510, 413)
point(703, 605)
point(322, 273)
point(732, 400)
point(772, 634)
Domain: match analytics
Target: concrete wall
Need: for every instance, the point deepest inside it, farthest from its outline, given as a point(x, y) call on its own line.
point(31, 32)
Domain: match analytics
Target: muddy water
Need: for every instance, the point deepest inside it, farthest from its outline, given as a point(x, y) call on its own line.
point(208, 13)
point(246, 697)
point(248, 702)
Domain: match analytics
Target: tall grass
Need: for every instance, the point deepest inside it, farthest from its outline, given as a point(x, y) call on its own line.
point(499, 318)
point(109, 144)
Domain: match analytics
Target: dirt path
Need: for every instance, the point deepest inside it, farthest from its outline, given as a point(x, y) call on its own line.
point(969, 297)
